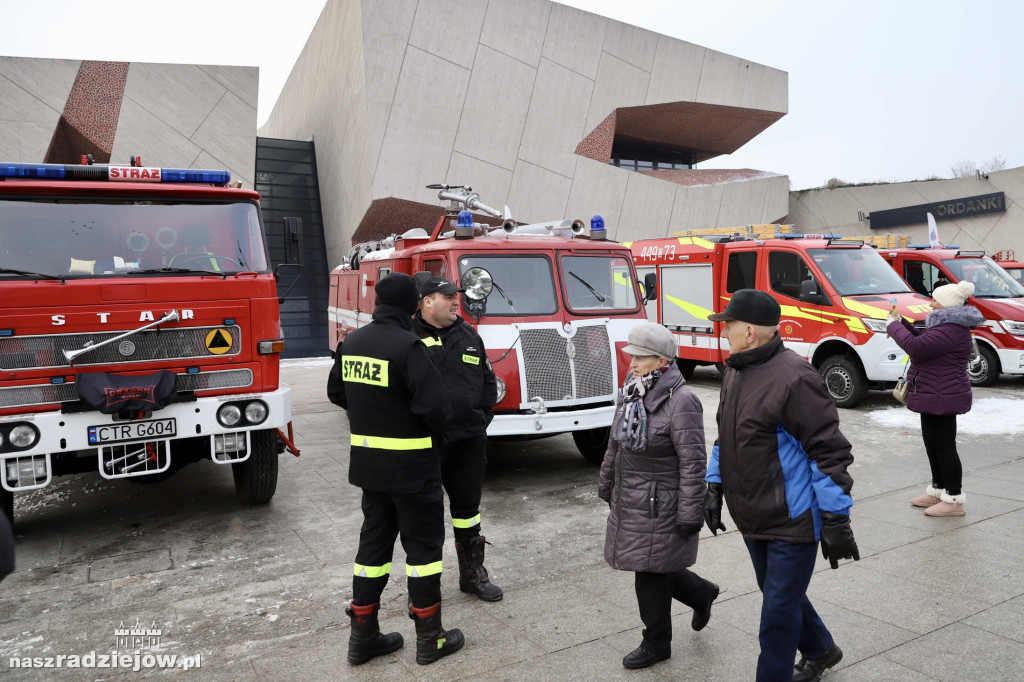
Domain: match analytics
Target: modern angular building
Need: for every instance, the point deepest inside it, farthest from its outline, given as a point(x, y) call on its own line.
point(554, 111)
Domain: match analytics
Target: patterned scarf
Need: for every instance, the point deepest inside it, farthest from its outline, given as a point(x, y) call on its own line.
point(631, 427)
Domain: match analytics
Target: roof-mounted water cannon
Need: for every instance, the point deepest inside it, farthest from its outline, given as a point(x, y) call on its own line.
point(463, 195)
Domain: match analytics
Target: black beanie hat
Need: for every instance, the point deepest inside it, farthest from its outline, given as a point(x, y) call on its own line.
point(398, 289)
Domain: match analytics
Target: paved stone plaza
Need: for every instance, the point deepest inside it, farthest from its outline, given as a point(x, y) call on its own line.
point(259, 592)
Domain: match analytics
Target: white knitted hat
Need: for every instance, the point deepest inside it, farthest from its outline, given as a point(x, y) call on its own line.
point(953, 295)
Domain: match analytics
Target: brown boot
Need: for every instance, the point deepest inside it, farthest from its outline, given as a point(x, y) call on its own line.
point(432, 640)
point(948, 505)
point(472, 574)
point(366, 641)
point(930, 497)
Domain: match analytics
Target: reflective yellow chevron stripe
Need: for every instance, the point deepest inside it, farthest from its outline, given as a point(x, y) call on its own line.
point(697, 241)
point(382, 443)
point(431, 341)
point(465, 523)
point(801, 314)
point(695, 310)
point(371, 571)
point(423, 571)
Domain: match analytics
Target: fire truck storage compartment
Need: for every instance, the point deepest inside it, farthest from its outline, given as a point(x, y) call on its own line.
point(697, 283)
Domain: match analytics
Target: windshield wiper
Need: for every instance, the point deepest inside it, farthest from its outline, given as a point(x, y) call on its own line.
point(29, 273)
point(158, 270)
point(504, 295)
point(587, 284)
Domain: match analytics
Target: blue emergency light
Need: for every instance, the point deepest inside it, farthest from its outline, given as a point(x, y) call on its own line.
point(55, 171)
point(597, 230)
point(465, 219)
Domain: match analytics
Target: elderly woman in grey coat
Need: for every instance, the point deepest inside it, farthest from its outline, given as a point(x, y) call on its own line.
point(653, 480)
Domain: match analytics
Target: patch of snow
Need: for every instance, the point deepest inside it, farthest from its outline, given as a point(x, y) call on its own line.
point(988, 417)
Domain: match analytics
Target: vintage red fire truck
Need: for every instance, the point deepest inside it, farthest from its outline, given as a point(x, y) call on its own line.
point(997, 295)
point(835, 296)
point(140, 327)
point(552, 308)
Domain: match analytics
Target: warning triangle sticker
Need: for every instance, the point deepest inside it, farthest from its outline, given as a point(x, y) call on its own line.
point(218, 341)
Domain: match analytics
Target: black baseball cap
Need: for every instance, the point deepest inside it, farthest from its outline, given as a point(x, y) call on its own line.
point(438, 285)
point(750, 306)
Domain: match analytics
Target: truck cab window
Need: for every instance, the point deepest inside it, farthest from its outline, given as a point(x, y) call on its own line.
point(786, 270)
point(742, 271)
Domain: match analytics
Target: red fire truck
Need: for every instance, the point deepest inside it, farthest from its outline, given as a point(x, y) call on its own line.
point(835, 296)
point(997, 295)
point(140, 328)
point(553, 309)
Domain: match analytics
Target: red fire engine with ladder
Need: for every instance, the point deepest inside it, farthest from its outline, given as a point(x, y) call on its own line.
point(835, 296)
point(552, 307)
point(140, 327)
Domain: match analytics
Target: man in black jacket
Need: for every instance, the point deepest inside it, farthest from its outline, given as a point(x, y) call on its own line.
point(781, 463)
point(395, 400)
point(458, 352)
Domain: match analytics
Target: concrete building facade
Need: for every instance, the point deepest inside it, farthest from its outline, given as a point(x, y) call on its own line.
point(848, 210)
point(531, 103)
point(169, 115)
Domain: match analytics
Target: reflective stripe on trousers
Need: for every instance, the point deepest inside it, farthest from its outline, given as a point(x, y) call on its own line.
point(382, 443)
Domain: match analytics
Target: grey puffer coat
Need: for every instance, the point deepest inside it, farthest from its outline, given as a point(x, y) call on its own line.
point(938, 379)
point(650, 493)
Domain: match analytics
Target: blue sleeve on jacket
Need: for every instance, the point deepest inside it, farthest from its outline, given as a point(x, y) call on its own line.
point(713, 475)
point(830, 496)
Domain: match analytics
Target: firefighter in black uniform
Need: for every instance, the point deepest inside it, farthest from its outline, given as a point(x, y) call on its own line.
point(458, 352)
point(397, 406)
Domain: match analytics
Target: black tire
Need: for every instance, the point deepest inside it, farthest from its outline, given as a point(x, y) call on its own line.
point(844, 379)
point(592, 443)
point(686, 368)
point(988, 368)
point(7, 503)
point(256, 477)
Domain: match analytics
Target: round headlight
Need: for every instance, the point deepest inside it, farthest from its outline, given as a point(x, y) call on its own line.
point(23, 436)
point(501, 389)
point(255, 412)
point(229, 415)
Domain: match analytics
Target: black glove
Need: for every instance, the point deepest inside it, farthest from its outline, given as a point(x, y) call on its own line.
point(713, 508)
point(837, 538)
point(687, 529)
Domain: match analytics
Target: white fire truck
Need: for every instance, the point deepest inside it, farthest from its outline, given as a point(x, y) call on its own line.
point(552, 306)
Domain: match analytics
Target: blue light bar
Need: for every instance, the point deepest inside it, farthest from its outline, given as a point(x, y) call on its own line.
point(40, 171)
point(213, 177)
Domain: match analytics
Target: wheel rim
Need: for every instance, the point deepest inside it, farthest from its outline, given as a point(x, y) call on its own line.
point(982, 370)
point(839, 382)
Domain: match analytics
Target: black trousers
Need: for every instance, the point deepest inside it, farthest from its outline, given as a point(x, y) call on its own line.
point(654, 595)
point(939, 435)
point(462, 472)
point(419, 520)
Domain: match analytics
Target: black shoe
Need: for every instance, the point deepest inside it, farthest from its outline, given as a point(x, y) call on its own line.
point(810, 670)
point(702, 616)
point(642, 658)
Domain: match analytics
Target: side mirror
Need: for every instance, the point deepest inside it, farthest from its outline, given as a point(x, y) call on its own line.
point(478, 283)
point(810, 292)
point(650, 286)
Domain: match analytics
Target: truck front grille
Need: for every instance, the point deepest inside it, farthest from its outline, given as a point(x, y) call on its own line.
point(566, 369)
point(41, 352)
point(44, 394)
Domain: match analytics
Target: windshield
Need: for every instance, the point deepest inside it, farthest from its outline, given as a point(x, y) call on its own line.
point(598, 283)
point(990, 280)
point(523, 285)
point(81, 238)
point(857, 272)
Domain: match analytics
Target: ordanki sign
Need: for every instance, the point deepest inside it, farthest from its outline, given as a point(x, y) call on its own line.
point(942, 210)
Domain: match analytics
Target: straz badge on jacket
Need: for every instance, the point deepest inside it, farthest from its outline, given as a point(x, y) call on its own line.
point(363, 370)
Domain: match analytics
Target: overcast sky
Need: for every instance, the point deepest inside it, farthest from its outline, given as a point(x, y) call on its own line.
point(879, 90)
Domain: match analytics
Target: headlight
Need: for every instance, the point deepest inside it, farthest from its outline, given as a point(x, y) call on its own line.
point(23, 436)
point(875, 325)
point(255, 412)
point(501, 389)
point(1015, 328)
point(229, 415)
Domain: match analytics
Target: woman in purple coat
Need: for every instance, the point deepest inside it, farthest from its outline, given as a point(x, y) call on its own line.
point(940, 388)
point(652, 478)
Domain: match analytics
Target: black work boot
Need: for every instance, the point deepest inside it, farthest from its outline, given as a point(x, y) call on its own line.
point(432, 640)
point(810, 669)
point(472, 574)
point(366, 641)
